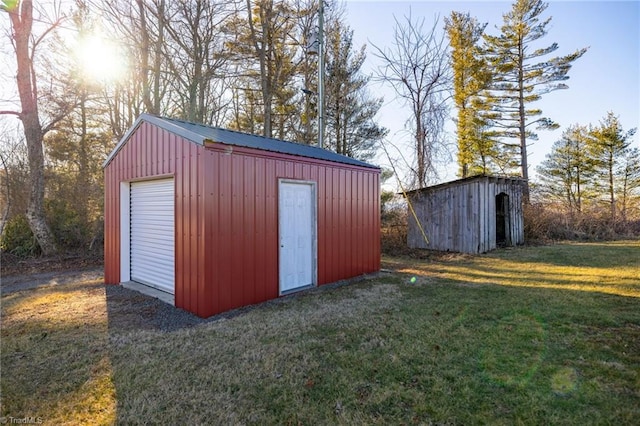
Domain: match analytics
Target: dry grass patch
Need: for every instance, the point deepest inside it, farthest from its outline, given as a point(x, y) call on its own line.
point(600, 267)
point(55, 356)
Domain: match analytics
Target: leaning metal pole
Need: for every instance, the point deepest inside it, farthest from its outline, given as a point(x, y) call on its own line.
point(321, 73)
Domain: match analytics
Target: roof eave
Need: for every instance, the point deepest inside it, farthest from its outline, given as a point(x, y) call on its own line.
point(157, 121)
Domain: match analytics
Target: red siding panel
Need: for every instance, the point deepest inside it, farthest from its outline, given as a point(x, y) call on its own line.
point(149, 153)
point(227, 217)
point(224, 264)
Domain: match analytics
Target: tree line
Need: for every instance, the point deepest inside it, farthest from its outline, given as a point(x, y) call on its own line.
point(593, 169)
point(249, 65)
point(245, 65)
point(497, 78)
point(592, 174)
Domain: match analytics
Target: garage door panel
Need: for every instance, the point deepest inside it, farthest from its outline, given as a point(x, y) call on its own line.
point(152, 233)
point(149, 257)
point(150, 240)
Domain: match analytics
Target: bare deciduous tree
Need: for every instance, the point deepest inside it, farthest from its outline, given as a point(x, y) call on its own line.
point(416, 66)
point(265, 37)
point(13, 176)
point(198, 68)
point(141, 27)
point(25, 45)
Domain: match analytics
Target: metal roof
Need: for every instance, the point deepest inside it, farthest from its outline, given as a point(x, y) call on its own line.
point(199, 133)
point(467, 180)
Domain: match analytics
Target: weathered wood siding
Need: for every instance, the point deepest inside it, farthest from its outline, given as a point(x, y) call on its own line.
point(460, 216)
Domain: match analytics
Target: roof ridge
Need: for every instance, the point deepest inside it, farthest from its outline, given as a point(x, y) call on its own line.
point(240, 132)
point(199, 133)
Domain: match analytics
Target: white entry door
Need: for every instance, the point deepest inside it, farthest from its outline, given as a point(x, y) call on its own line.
point(152, 234)
point(297, 217)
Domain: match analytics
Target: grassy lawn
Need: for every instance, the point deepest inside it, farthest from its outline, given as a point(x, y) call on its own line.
point(537, 335)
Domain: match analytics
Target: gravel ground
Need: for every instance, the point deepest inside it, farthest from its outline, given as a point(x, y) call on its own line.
point(129, 310)
point(13, 283)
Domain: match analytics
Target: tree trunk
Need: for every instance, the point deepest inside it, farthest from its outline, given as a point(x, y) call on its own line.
point(157, 63)
point(579, 191)
point(21, 22)
point(612, 197)
point(144, 58)
point(523, 137)
point(82, 180)
point(420, 145)
point(263, 57)
point(7, 195)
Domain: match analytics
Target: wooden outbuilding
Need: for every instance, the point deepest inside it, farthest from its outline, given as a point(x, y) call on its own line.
point(220, 219)
point(470, 215)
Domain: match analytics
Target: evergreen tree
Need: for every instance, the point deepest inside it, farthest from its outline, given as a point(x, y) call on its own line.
point(350, 129)
point(522, 76)
point(470, 77)
point(263, 36)
point(567, 170)
point(629, 183)
point(609, 147)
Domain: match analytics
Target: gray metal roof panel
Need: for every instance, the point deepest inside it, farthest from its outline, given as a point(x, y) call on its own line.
point(198, 133)
point(232, 137)
point(466, 180)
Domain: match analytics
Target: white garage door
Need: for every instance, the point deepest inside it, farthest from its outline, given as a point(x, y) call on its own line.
point(152, 234)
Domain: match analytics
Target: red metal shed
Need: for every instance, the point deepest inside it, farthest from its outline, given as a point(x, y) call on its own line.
point(224, 219)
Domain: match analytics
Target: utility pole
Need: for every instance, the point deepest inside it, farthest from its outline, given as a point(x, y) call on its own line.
point(321, 73)
point(316, 47)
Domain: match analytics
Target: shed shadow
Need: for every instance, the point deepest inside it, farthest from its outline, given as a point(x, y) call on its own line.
point(130, 311)
point(593, 255)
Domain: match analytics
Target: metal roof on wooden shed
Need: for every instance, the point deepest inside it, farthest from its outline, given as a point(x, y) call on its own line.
point(200, 133)
point(467, 180)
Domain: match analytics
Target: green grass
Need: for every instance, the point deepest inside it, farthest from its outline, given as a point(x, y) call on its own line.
point(537, 335)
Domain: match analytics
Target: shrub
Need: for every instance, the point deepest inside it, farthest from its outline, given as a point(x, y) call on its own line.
point(394, 226)
point(545, 222)
point(18, 239)
point(65, 224)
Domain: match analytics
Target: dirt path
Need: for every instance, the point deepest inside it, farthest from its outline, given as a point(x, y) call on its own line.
point(13, 283)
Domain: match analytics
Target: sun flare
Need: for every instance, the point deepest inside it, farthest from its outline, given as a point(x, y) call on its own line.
point(99, 59)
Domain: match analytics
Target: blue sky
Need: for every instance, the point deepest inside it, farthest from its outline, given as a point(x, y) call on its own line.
point(606, 78)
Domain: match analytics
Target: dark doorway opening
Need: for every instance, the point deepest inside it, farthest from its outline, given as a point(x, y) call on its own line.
point(503, 237)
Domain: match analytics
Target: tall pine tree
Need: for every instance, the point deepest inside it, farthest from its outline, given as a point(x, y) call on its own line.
point(609, 147)
point(264, 51)
point(470, 76)
point(350, 109)
point(567, 171)
point(522, 76)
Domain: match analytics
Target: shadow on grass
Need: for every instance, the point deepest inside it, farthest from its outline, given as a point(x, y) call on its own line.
point(612, 268)
point(383, 351)
point(55, 356)
point(582, 281)
point(131, 311)
point(596, 255)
